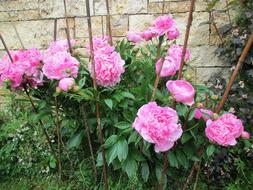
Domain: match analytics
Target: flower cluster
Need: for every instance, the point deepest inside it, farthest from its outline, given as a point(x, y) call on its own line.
point(224, 130)
point(163, 25)
point(59, 64)
point(169, 65)
point(25, 68)
point(108, 63)
point(158, 125)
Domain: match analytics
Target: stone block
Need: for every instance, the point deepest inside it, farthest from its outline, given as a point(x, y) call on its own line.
point(121, 7)
point(140, 22)
point(204, 74)
point(55, 8)
point(82, 26)
point(119, 25)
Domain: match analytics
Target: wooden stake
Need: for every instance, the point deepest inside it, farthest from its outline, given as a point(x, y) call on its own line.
point(86, 128)
point(108, 22)
point(55, 29)
point(235, 73)
point(67, 28)
point(58, 131)
point(187, 33)
point(101, 139)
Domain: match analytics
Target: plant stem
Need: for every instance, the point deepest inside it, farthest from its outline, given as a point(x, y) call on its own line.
point(235, 73)
point(187, 33)
point(86, 127)
point(197, 177)
point(190, 176)
point(164, 171)
point(216, 28)
point(101, 139)
point(67, 28)
point(108, 22)
point(160, 69)
point(58, 131)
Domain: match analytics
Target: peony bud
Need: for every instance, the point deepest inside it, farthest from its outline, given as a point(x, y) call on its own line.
point(245, 135)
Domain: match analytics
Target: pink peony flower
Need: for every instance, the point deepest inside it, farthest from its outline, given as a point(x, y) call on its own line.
point(108, 68)
point(163, 24)
point(158, 125)
point(173, 33)
point(182, 91)
point(224, 130)
point(66, 84)
point(204, 113)
point(24, 69)
point(148, 34)
point(168, 67)
point(176, 51)
point(134, 37)
point(60, 65)
point(245, 135)
point(57, 46)
point(101, 45)
point(108, 63)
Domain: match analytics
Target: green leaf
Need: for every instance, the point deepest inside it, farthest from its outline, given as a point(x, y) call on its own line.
point(133, 137)
point(122, 149)
point(122, 125)
point(111, 154)
point(111, 140)
point(128, 95)
point(173, 159)
point(191, 115)
point(181, 109)
point(210, 150)
point(144, 171)
point(109, 103)
point(99, 159)
point(185, 137)
point(182, 159)
point(130, 167)
point(75, 140)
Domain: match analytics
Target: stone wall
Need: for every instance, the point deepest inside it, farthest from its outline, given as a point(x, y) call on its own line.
point(34, 21)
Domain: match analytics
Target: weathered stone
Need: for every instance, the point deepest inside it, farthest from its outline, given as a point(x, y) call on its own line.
point(36, 33)
point(204, 56)
point(169, 7)
point(119, 25)
point(203, 74)
point(61, 28)
point(9, 35)
point(13, 5)
point(82, 26)
point(140, 22)
point(55, 8)
point(121, 7)
point(19, 15)
point(198, 33)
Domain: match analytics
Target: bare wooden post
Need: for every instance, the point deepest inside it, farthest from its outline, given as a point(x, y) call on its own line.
point(108, 21)
point(101, 138)
point(86, 128)
point(187, 33)
point(235, 73)
point(67, 28)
